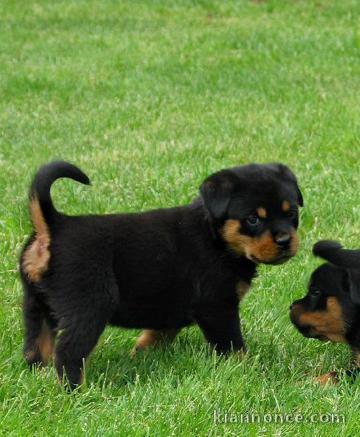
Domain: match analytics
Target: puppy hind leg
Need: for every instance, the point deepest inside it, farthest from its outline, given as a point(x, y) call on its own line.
point(77, 338)
point(85, 312)
point(39, 336)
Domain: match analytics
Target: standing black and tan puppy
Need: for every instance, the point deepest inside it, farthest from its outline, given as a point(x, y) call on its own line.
point(159, 270)
point(330, 311)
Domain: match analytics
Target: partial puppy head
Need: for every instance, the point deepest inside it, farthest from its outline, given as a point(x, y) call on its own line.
point(254, 208)
point(331, 307)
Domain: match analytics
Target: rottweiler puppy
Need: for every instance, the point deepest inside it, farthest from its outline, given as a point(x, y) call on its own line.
point(331, 309)
point(158, 270)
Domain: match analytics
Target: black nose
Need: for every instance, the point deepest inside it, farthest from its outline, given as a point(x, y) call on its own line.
point(283, 239)
point(291, 306)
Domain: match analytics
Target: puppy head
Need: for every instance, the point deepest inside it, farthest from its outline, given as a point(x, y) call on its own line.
point(331, 307)
point(254, 208)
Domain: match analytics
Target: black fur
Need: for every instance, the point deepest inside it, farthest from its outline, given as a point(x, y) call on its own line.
point(161, 269)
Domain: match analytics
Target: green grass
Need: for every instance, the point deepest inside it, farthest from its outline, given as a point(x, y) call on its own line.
point(149, 97)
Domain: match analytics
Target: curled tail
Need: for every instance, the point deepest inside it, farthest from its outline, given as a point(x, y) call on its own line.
point(333, 252)
point(41, 207)
point(36, 253)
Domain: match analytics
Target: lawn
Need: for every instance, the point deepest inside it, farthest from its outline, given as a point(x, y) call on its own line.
point(148, 98)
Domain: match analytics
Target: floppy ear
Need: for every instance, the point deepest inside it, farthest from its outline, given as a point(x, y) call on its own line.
point(216, 194)
point(289, 175)
point(354, 285)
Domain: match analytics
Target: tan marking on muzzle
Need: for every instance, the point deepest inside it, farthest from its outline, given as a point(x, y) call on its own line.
point(263, 247)
point(328, 323)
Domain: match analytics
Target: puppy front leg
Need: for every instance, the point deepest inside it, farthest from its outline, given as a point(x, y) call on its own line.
point(151, 337)
point(222, 330)
point(333, 377)
point(355, 371)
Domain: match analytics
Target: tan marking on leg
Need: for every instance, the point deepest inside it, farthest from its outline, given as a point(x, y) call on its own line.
point(42, 348)
point(36, 257)
point(262, 213)
point(46, 342)
point(285, 206)
point(147, 338)
point(151, 337)
point(242, 289)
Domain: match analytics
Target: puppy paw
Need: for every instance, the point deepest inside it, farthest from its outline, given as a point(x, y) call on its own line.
point(327, 378)
point(240, 354)
point(134, 351)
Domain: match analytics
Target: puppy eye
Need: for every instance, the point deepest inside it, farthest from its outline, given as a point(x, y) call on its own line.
point(253, 220)
point(314, 298)
point(292, 213)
